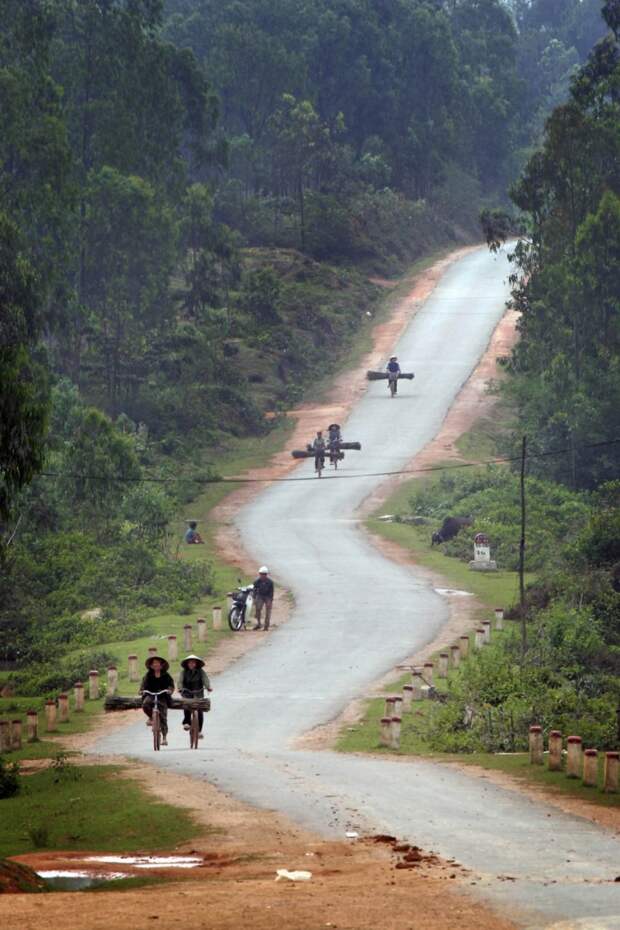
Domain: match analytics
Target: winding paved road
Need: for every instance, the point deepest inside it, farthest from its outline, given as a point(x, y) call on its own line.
point(356, 616)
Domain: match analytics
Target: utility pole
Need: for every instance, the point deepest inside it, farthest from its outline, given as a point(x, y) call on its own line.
point(522, 551)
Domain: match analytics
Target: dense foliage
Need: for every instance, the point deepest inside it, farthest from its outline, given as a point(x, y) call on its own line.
point(568, 678)
point(565, 370)
point(491, 499)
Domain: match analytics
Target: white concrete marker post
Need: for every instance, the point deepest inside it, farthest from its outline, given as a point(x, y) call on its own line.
point(63, 708)
point(610, 772)
point(5, 736)
point(455, 656)
point(464, 646)
point(395, 725)
point(479, 639)
point(590, 768)
point(428, 673)
point(201, 624)
point(173, 648)
point(50, 716)
point(574, 757)
point(416, 685)
point(152, 650)
point(486, 627)
point(499, 618)
point(132, 667)
point(93, 684)
point(482, 561)
point(112, 679)
point(407, 697)
point(217, 618)
point(32, 726)
point(386, 728)
point(78, 695)
point(398, 706)
point(16, 734)
point(187, 637)
point(389, 707)
point(444, 659)
point(554, 762)
point(536, 745)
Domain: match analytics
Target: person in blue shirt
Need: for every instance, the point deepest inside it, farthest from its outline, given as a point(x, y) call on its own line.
point(393, 370)
point(192, 536)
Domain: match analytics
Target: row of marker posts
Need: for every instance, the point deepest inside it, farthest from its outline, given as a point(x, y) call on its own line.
point(422, 679)
point(57, 711)
point(580, 763)
point(133, 672)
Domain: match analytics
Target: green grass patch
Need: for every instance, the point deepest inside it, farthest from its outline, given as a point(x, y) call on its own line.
point(494, 589)
point(94, 807)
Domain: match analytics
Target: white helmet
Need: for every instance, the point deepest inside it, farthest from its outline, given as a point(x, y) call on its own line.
point(263, 570)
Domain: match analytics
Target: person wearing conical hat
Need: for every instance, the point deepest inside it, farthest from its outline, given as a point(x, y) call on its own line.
point(191, 683)
point(156, 679)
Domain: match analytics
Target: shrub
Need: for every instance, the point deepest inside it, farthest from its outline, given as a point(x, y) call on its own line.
point(9, 778)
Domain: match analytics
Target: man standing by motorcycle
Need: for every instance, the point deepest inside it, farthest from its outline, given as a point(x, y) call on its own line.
point(263, 597)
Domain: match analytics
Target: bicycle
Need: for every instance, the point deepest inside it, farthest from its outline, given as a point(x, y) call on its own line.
point(319, 463)
point(194, 725)
point(155, 719)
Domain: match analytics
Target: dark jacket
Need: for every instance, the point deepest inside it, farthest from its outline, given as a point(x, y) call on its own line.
point(193, 679)
point(263, 587)
point(151, 683)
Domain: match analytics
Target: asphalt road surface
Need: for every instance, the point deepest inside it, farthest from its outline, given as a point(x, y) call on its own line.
point(356, 615)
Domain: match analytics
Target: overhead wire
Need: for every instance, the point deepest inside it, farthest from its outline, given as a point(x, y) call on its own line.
point(221, 479)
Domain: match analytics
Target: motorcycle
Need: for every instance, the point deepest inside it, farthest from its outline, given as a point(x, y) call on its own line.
point(242, 601)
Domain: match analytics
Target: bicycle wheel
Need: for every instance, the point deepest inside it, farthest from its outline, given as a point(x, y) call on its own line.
point(194, 730)
point(156, 727)
point(235, 619)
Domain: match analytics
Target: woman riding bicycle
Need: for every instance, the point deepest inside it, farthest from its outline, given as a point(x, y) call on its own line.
point(192, 681)
point(157, 679)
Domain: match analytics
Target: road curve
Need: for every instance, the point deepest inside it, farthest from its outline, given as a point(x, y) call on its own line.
point(356, 615)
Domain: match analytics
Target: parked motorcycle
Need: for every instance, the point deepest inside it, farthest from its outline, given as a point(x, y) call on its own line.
point(242, 600)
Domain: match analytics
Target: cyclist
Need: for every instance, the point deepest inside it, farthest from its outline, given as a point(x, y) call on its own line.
point(393, 370)
point(157, 679)
point(192, 681)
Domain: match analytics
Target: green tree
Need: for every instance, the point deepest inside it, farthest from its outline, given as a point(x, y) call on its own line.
point(130, 239)
point(24, 392)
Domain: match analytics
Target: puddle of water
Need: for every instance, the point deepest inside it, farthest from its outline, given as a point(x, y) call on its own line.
point(150, 862)
point(453, 592)
point(74, 880)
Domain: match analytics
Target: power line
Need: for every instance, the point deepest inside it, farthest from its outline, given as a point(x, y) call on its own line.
point(219, 479)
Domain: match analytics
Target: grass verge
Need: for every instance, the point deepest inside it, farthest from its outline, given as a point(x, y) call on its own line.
point(70, 808)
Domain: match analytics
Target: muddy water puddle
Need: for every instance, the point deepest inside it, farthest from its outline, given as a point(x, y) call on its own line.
point(80, 879)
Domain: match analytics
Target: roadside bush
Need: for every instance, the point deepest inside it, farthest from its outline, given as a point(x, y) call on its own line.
point(9, 778)
point(495, 697)
point(49, 678)
point(491, 497)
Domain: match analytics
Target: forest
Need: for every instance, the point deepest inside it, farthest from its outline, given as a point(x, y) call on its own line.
point(194, 199)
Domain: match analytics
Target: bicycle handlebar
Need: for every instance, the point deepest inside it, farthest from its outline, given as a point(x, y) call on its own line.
point(156, 693)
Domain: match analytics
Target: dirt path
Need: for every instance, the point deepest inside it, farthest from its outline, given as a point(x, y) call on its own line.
point(361, 884)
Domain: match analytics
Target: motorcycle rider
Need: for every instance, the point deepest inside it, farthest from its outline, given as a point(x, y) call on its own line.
point(318, 447)
point(393, 370)
point(263, 597)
